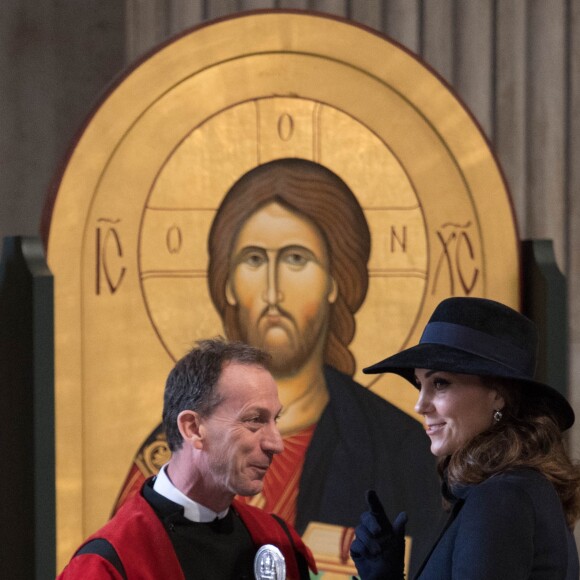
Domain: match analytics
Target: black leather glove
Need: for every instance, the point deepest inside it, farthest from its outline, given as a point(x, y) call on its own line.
point(378, 550)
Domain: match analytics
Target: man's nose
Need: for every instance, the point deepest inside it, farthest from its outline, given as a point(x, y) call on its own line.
point(272, 442)
point(272, 294)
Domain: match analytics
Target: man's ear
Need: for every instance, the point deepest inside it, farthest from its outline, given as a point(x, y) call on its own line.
point(230, 297)
point(333, 292)
point(189, 425)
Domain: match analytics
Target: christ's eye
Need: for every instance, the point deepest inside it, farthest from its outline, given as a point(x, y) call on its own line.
point(255, 259)
point(296, 260)
point(297, 257)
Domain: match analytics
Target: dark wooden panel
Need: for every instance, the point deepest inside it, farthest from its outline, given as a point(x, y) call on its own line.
point(147, 26)
point(294, 4)
point(28, 525)
point(184, 14)
point(367, 13)
point(402, 19)
point(438, 36)
point(338, 7)
point(545, 302)
point(510, 100)
point(573, 217)
point(219, 8)
point(546, 133)
point(257, 4)
point(474, 50)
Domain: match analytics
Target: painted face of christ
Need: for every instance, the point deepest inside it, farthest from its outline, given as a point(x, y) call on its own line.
point(280, 286)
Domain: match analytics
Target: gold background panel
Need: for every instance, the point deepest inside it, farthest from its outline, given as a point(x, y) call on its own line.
point(278, 127)
point(175, 134)
point(350, 148)
point(399, 241)
point(174, 241)
point(287, 128)
point(456, 259)
point(122, 397)
point(208, 160)
point(185, 317)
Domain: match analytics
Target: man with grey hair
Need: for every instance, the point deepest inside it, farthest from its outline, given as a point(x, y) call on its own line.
point(220, 412)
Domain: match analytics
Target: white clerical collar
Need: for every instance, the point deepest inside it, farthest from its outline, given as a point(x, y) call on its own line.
point(192, 510)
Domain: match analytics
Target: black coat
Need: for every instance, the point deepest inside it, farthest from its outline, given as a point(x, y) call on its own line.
point(510, 527)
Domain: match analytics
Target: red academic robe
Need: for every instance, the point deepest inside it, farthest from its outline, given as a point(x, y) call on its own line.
point(146, 552)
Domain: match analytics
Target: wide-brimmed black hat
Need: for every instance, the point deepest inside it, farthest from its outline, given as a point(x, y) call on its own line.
point(476, 336)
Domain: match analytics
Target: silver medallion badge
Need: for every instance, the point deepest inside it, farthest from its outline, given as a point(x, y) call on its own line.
point(269, 564)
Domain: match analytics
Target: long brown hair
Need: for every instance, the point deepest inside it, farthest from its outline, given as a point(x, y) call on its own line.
point(527, 436)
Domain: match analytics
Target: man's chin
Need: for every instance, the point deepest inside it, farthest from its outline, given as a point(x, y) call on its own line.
point(251, 489)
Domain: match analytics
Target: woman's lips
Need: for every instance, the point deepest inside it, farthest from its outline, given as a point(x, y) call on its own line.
point(434, 428)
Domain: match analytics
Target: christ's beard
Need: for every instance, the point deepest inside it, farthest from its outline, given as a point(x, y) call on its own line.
point(289, 346)
point(287, 358)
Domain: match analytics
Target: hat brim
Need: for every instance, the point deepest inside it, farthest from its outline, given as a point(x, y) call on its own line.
point(444, 358)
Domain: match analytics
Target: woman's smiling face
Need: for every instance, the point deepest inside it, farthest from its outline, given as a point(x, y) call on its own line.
point(456, 408)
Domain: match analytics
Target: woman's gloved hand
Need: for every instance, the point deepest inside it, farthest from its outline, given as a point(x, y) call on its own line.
point(378, 549)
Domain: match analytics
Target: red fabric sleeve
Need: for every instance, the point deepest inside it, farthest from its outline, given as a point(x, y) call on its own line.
point(141, 543)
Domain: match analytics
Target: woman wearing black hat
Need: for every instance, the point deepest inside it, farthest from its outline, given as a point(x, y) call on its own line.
point(512, 491)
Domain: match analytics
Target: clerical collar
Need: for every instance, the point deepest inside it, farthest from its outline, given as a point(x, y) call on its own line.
point(192, 510)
